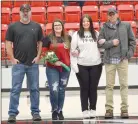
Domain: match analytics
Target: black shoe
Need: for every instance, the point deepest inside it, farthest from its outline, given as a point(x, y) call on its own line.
point(55, 115)
point(36, 117)
point(60, 115)
point(12, 119)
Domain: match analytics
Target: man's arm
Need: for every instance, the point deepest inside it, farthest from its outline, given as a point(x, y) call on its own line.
point(37, 58)
point(10, 52)
point(131, 42)
point(106, 44)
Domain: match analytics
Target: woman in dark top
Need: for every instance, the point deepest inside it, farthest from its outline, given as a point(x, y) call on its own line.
point(57, 76)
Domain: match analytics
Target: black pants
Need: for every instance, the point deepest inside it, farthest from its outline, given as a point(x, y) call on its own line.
point(88, 78)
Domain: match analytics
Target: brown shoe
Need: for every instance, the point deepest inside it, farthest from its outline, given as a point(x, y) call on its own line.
point(124, 114)
point(109, 114)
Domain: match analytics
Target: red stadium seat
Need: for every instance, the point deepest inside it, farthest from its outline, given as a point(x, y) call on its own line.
point(71, 26)
point(96, 26)
point(133, 25)
point(136, 11)
point(89, 3)
point(48, 28)
point(19, 3)
point(103, 12)
point(4, 28)
point(126, 12)
point(92, 11)
point(122, 2)
point(72, 14)
point(38, 3)
point(8, 4)
point(54, 3)
point(135, 2)
point(5, 15)
point(15, 14)
point(38, 14)
point(54, 13)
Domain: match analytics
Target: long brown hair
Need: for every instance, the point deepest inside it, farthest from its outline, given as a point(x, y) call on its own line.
point(81, 30)
point(64, 36)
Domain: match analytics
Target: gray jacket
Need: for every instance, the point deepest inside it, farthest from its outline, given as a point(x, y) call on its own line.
point(124, 34)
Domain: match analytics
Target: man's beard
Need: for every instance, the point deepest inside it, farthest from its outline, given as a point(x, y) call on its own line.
point(23, 18)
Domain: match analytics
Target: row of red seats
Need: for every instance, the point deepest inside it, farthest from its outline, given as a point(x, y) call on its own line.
point(43, 3)
point(71, 13)
point(68, 26)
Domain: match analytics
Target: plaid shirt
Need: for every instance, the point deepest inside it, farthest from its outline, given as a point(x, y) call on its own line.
point(115, 60)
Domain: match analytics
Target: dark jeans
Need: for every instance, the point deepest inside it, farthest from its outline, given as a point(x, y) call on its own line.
point(88, 78)
point(32, 73)
point(57, 83)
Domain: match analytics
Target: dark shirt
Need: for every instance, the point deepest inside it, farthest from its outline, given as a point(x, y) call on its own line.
point(24, 38)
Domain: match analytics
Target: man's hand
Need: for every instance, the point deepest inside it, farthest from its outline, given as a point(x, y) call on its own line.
point(101, 41)
point(36, 60)
point(115, 42)
point(14, 61)
point(75, 53)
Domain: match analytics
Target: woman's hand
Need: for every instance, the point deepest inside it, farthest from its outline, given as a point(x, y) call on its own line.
point(75, 53)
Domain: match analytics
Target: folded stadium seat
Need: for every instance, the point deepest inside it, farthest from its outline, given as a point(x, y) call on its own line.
point(133, 25)
point(4, 28)
point(17, 3)
point(89, 3)
point(8, 4)
point(72, 14)
point(15, 14)
point(43, 28)
point(122, 2)
point(126, 12)
point(71, 26)
point(103, 12)
point(54, 12)
point(54, 3)
point(39, 14)
point(38, 3)
point(5, 15)
point(48, 28)
point(92, 11)
point(136, 12)
point(96, 26)
point(135, 2)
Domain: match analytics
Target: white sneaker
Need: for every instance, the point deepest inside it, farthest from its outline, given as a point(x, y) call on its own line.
point(92, 113)
point(86, 114)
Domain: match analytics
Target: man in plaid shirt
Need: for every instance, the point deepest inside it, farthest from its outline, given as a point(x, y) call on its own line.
point(117, 38)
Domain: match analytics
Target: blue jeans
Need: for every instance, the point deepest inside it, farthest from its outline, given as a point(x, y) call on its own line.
point(57, 83)
point(32, 73)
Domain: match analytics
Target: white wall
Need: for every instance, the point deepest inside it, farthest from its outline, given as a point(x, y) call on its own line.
point(132, 78)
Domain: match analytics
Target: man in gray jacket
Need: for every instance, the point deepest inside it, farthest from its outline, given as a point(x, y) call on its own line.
point(117, 38)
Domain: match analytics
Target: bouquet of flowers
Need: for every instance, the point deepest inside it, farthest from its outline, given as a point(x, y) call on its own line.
point(52, 58)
